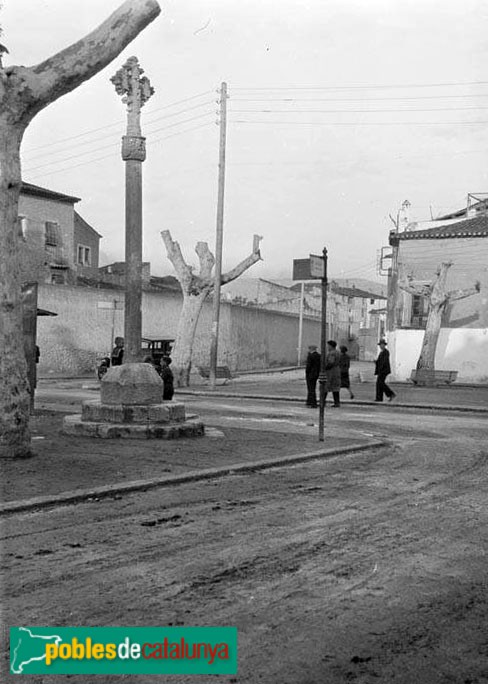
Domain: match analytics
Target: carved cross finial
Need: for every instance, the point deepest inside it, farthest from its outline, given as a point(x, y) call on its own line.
point(135, 90)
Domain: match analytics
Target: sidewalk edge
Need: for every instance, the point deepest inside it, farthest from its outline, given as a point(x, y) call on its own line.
point(354, 402)
point(79, 495)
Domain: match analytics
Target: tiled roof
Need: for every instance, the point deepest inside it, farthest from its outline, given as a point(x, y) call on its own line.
point(37, 191)
point(80, 220)
point(354, 292)
point(475, 227)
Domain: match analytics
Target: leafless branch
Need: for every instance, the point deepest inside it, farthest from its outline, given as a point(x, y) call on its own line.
point(39, 85)
point(245, 264)
point(173, 250)
point(419, 288)
point(207, 260)
point(454, 295)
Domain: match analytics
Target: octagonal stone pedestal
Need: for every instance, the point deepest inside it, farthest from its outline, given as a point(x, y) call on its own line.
point(132, 407)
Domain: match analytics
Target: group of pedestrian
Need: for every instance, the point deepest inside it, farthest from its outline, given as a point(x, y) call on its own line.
point(337, 364)
point(161, 366)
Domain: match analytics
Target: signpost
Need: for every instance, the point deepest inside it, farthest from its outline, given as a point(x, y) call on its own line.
point(323, 351)
point(315, 268)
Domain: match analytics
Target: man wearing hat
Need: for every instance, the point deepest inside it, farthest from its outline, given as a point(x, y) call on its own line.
point(312, 371)
point(382, 369)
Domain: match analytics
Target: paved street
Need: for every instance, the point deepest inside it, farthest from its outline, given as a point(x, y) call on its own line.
point(369, 567)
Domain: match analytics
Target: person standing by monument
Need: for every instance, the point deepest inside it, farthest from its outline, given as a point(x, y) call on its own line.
point(312, 371)
point(333, 373)
point(344, 365)
point(167, 377)
point(382, 369)
point(118, 352)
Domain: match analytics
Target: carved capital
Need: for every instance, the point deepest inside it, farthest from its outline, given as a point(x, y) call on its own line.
point(133, 147)
point(135, 90)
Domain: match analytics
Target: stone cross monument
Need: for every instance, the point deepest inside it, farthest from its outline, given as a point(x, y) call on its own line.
point(135, 90)
point(131, 395)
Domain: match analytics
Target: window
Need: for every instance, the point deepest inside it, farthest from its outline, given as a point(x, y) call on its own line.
point(52, 233)
point(419, 312)
point(83, 255)
point(22, 227)
point(58, 278)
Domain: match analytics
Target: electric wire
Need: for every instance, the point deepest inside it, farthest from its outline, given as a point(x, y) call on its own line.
point(118, 123)
point(351, 111)
point(361, 123)
point(82, 154)
point(109, 156)
point(94, 140)
point(367, 87)
point(355, 99)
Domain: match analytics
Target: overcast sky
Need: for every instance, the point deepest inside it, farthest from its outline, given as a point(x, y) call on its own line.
point(338, 111)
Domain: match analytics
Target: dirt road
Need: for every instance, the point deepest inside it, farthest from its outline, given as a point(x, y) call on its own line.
point(365, 568)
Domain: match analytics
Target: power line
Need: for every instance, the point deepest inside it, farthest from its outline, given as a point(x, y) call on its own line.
point(351, 111)
point(178, 123)
point(118, 123)
point(362, 123)
point(347, 162)
point(354, 99)
point(103, 137)
point(370, 87)
point(109, 156)
point(103, 147)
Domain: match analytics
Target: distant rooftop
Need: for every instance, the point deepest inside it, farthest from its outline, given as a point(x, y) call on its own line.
point(475, 227)
point(37, 191)
point(354, 292)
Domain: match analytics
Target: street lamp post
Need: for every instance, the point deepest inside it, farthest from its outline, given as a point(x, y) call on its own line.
point(135, 90)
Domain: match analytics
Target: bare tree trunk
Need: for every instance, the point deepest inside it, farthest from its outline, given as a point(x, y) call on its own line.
point(187, 324)
point(25, 91)
point(195, 288)
point(14, 387)
point(438, 297)
point(431, 336)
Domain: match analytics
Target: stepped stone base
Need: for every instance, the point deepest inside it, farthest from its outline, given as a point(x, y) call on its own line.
point(166, 412)
point(76, 426)
point(131, 406)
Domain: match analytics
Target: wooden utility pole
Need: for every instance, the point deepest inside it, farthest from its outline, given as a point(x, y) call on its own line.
point(323, 348)
point(214, 340)
point(135, 90)
point(300, 324)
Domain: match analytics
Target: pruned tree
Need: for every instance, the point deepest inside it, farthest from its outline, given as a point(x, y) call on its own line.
point(438, 298)
point(196, 287)
point(24, 92)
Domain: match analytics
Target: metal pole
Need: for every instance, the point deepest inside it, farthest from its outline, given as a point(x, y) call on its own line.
point(323, 350)
point(300, 324)
point(214, 340)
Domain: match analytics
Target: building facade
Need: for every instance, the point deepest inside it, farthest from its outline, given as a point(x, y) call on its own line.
point(57, 244)
point(463, 340)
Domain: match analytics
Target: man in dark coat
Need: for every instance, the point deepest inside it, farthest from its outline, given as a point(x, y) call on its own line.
point(118, 352)
point(312, 371)
point(333, 372)
point(382, 369)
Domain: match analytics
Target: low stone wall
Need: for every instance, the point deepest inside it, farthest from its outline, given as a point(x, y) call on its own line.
point(88, 319)
point(461, 349)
